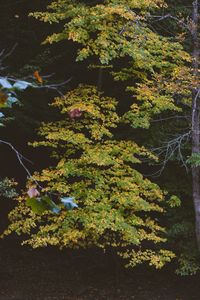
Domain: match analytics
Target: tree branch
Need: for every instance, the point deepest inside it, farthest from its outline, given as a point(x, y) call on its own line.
point(20, 158)
point(169, 149)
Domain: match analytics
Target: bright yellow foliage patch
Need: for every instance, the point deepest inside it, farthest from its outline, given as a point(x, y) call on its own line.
point(117, 205)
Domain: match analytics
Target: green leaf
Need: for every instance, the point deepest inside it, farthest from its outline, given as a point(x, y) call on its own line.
point(174, 201)
point(40, 205)
point(194, 160)
point(50, 204)
point(37, 205)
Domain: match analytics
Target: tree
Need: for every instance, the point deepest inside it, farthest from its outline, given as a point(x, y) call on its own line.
point(115, 204)
point(119, 32)
point(189, 30)
point(122, 33)
point(196, 115)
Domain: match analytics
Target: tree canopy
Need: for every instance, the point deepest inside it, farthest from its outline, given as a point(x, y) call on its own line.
point(128, 112)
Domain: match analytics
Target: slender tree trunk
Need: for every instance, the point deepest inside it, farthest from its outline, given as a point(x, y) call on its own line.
point(196, 117)
point(100, 79)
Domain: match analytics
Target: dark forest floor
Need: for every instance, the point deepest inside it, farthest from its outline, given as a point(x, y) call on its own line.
point(50, 274)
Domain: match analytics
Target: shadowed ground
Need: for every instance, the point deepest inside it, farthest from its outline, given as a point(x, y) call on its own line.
point(50, 274)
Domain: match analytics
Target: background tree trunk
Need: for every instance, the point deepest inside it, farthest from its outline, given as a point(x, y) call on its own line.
point(196, 117)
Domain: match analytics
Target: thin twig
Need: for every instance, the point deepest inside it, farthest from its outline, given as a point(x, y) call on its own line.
point(161, 18)
point(20, 158)
point(54, 86)
point(169, 149)
point(9, 53)
point(169, 118)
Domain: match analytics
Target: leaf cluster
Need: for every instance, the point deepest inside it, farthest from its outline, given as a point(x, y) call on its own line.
point(116, 204)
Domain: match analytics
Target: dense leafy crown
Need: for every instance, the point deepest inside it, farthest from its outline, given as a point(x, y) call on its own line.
point(115, 202)
point(113, 31)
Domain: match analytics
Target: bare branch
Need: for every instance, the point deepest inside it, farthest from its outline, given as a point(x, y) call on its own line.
point(20, 158)
point(169, 118)
point(9, 53)
point(4, 55)
point(169, 149)
point(163, 17)
point(53, 86)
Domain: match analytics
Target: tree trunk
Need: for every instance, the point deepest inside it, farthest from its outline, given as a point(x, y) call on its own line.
point(100, 79)
point(196, 117)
